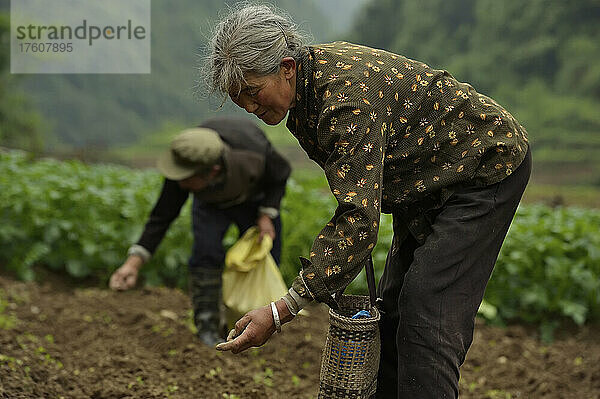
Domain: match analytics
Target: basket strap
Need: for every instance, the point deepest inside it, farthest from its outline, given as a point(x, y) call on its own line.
point(371, 280)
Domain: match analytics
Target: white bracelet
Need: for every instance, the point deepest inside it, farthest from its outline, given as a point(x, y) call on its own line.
point(276, 317)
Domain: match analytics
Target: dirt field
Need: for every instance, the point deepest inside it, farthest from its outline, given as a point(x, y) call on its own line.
point(60, 342)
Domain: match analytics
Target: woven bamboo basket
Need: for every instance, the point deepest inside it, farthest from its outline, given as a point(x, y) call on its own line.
point(350, 359)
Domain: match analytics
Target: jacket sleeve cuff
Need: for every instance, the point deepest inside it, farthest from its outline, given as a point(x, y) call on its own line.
point(300, 300)
point(271, 212)
point(309, 284)
point(140, 251)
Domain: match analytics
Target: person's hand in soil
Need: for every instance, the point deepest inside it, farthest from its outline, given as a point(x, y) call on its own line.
point(126, 276)
point(265, 226)
point(254, 328)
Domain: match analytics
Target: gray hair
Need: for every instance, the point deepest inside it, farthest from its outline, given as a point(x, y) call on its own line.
point(253, 38)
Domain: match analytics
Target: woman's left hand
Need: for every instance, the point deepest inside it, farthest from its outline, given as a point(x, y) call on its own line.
point(254, 328)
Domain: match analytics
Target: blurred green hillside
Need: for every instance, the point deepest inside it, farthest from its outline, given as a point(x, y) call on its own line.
point(19, 124)
point(538, 58)
point(102, 111)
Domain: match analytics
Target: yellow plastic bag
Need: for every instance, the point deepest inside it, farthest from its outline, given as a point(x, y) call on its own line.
point(251, 278)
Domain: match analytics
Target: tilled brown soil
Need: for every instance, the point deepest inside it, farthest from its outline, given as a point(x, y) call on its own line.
point(60, 342)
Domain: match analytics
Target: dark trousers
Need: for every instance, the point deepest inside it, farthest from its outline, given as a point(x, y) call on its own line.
point(431, 292)
point(209, 225)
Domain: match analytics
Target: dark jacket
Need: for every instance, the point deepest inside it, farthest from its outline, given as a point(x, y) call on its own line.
point(253, 171)
point(391, 135)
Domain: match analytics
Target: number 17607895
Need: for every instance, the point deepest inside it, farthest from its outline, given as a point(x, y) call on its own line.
point(46, 47)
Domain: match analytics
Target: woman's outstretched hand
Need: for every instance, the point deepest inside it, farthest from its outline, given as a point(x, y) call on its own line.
point(254, 328)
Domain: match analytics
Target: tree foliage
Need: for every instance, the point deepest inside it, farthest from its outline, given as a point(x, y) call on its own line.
point(491, 42)
point(539, 58)
point(97, 110)
point(19, 125)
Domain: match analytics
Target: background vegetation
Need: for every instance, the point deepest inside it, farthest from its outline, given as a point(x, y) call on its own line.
point(100, 111)
point(19, 124)
point(541, 59)
point(549, 268)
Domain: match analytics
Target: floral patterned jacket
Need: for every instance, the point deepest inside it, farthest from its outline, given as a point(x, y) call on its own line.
point(391, 135)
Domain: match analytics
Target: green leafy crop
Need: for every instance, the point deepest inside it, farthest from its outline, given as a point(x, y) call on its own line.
point(80, 219)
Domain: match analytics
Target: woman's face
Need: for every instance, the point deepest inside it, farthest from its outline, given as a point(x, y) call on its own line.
point(269, 97)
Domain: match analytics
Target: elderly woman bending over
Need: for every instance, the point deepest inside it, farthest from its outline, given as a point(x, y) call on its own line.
point(392, 135)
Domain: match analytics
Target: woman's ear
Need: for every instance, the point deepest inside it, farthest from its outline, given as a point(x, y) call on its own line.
point(288, 66)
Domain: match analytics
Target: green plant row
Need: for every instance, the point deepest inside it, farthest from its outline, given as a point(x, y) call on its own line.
point(81, 219)
point(549, 267)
